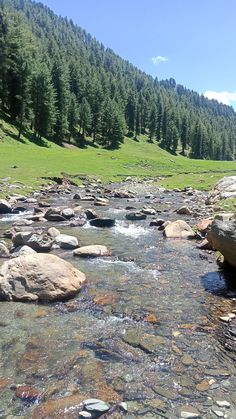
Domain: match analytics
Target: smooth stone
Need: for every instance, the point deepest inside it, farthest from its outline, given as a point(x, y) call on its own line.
point(92, 251)
point(189, 412)
point(222, 403)
point(39, 277)
point(67, 213)
point(96, 405)
point(184, 211)
point(84, 414)
point(23, 251)
point(166, 393)
point(66, 242)
point(218, 413)
point(90, 214)
point(53, 232)
point(148, 211)
point(21, 238)
point(178, 229)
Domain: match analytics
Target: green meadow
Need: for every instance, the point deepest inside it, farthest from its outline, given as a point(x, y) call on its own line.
point(29, 165)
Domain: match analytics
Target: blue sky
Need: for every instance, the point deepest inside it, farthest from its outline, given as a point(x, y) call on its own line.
point(192, 41)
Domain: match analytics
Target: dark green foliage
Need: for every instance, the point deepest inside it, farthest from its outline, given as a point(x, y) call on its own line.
point(59, 80)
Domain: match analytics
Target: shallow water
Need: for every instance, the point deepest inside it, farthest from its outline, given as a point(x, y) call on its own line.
point(106, 342)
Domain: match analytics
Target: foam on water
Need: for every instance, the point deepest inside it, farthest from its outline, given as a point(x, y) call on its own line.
point(131, 230)
point(15, 217)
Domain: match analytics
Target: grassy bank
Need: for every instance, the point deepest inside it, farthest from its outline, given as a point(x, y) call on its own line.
point(28, 163)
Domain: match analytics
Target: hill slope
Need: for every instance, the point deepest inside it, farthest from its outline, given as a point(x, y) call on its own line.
point(64, 85)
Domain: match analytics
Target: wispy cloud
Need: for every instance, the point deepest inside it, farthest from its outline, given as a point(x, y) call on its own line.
point(224, 97)
point(159, 59)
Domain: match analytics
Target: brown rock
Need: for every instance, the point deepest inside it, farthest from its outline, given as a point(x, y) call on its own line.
point(39, 277)
point(65, 408)
point(204, 225)
point(106, 299)
point(30, 394)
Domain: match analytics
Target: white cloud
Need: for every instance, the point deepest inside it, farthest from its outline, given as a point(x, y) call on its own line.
point(224, 97)
point(159, 59)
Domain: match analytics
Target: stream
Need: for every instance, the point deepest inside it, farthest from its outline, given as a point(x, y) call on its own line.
point(144, 329)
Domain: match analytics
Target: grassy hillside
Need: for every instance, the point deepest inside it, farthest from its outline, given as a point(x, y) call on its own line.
point(28, 163)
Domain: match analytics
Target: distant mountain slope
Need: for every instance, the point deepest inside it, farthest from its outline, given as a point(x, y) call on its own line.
point(58, 80)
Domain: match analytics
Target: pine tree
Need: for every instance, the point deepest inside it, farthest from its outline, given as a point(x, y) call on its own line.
point(60, 77)
point(43, 101)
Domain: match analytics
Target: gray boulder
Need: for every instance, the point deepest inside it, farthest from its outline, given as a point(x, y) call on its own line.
point(133, 216)
point(66, 242)
point(222, 236)
point(39, 277)
point(4, 252)
point(102, 222)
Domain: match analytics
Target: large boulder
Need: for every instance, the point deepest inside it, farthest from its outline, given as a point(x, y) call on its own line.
point(225, 188)
point(39, 277)
point(179, 230)
point(222, 236)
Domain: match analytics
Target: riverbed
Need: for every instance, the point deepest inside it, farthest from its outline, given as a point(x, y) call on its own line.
point(145, 329)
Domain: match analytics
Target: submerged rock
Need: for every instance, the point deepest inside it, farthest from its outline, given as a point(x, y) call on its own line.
point(179, 229)
point(39, 277)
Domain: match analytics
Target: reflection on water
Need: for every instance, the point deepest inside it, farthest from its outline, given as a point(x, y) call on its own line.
point(143, 329)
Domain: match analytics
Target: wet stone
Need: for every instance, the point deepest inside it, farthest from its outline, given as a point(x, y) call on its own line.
point(165, 392)
point(96, 406)
point(188, 412)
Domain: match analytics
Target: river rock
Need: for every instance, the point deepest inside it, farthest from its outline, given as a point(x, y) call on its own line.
point(225, 188)
point(68, 213)
point(184, 211)
point(102, 222)
point(149, 211)
point(53, 232)
point(179, 229)
point(157, 223)
point(101, 202)
point(225, 216)
point(96, 406)
point(23, 251)
point(66, 242)
point(138, 215)
point(4, 252)
point(54, 214)
point(39, 277)
point(92, 251)
point(91, 214)
point(203, 225)
point(5, 206)
point(222, 237)
point(188, 411)
point(21, 238)
point(29, 394)
point(40, 243)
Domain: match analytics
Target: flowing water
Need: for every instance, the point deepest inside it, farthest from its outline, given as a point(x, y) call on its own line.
point(144, 329)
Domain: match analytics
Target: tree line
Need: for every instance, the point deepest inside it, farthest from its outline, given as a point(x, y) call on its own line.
point(61, 83)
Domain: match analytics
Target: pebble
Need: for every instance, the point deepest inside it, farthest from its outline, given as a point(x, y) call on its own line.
point(189, 412)
point(222, 403)
point(96, 405)
point(218, 413)
point(84, 414)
